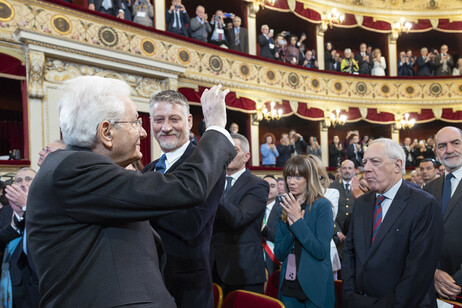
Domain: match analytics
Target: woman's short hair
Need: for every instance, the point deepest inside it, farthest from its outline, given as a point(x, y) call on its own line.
point(86, 102)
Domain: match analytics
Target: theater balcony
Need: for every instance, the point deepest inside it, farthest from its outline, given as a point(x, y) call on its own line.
point(44, 43)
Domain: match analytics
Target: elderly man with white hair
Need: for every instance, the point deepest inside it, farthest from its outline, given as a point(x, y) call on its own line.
point(391, 250)
point(87, 216)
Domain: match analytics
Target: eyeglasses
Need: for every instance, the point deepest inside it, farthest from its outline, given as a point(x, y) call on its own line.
point(138, 122)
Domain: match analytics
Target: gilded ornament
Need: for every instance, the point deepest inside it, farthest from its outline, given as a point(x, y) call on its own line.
point(61, 24)
point(6, 11)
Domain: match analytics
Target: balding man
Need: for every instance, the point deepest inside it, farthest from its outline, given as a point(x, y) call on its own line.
point(345, 202)
point(392, 246)
point(200, 27)
point(448, 191)
point(265, 40)
point(87, 224)
point(238, 38)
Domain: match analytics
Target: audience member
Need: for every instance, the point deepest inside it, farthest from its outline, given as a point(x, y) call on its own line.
point(448, 191)
point(236, 250)
point(265, 40)
point(379, 63)
point(457, 71)
point(369, 49)
point(381, 268)
point(143, 12)
point(296, 140)
point(405, 65)
point(233, 128)
point(127, 8)
point(424, 63)
point(49, 148)
point(303, 236)
point(443, 62)
point(185, 234)
point(177, 18)
point(281, 186)
point(313, 147)
point(302, 54)
point(110, 7)
point(421, 152)
point(355, 151)
point(83, 201)
point(24, 281)
point(238, 38)
point(329, 55)
point(200, 27)
point(365, 140)
point(364, 60)
point(285, 150)
point(268, 231)
point(429, 170)
point(337, 61)
point(409, 151)
point(281, 45)
point(336, 152)
point(292, 52)
point(345, 202)
point(269, 152)
point(310, 61)
point(349, 64)
point(218, 29)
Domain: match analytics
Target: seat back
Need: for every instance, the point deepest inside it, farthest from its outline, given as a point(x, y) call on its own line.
point(217, 296)
point(272, 287)
point(338, 293)
point(247, 299)
point(449, 303)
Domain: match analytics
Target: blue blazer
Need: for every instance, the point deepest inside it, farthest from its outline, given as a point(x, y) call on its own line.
point(314, 232)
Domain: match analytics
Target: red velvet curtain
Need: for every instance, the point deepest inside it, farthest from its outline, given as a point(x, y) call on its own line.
point(11, 131)
point(146, 143)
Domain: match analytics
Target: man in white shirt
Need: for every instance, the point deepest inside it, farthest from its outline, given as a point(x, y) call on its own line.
point(269, 225)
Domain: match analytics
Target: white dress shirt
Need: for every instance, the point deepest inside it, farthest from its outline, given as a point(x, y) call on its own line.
point(390, 195)
point(455, 180)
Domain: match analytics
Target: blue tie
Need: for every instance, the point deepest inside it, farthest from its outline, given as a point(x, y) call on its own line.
point(24, 243)
point(229, 181)
point(446, 192)
point(160, 165)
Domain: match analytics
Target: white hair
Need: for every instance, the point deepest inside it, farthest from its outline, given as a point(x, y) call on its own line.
point(245, 146)
point(347, 50)
point(86, 102)
point(264, 26)
point(393, 151)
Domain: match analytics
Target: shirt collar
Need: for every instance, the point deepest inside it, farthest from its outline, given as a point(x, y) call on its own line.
point(458, 174)
point(173, 156)
point(270, 206)
point(391, 193)
point(236, 175)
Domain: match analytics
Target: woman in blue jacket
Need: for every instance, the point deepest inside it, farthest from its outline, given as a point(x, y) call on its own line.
point(269, 152)
point(304, 231)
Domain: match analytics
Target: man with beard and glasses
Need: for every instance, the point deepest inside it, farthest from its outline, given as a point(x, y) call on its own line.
point(185, 234)
point(448, 191)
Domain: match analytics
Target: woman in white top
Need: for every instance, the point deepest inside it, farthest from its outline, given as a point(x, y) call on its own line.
point(332, 195)
point(379, 63)
point(457, 71)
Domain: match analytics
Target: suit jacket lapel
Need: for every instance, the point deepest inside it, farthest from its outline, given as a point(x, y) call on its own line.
point(396, 207)
point(453, 201)
point(183, 157)
point(241, 181)
point(369, 204)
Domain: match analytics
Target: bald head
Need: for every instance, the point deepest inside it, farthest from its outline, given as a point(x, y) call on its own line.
point(449, 147)
point(347, 170)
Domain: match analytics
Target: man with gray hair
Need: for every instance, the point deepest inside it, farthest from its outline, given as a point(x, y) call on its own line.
point(392, 247)
point(88, 229)
point(200, 27)
point(236, 250)
point(448, 190)
point(185, 234)
point(266, 42)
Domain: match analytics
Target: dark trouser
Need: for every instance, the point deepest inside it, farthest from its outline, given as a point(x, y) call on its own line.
point(177, 31)
point(110, 11)
point(218, 43)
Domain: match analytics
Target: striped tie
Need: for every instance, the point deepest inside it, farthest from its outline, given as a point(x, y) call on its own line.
point(377, 216)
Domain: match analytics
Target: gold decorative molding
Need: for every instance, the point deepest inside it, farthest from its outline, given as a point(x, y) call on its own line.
point(35, 68)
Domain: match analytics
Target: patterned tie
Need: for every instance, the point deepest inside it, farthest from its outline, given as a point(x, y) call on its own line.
point(377, 216)
point(220, 34)
point(160, 165)
point(446, 192)
point(229, 181)
point(236, 37)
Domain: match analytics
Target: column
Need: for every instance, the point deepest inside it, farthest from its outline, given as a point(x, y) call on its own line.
point(254, 142)
point(394, 133)
point(320, 30)
point(393, 53)
point(159, 14)
point(252, 10)
point(324, 143)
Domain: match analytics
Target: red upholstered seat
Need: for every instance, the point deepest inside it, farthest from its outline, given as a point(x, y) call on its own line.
point(338, 293)
point(217, 296)
point(272, 287)
point(454, 304)
point(246, 299)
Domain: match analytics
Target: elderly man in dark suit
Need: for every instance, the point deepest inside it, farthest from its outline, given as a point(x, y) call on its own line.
point(88, 229)
point(424, 63)
point(186, 234)
point(392, 247)
point(110, 7)
point(266, 42)
point(236, 250)
point(448, 191)
point(238, 38)
point(364, 60)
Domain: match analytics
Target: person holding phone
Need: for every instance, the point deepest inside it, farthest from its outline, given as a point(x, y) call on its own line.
point(313, 147)
point(266, 42)
point(218, 29)
point(143, 12)
point(177, 19)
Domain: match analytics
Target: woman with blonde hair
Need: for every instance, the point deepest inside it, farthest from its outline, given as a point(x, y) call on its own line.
point(304, 232)
point(285, 150)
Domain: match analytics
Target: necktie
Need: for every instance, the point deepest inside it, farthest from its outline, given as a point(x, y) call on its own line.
point(347, 189)
point(220, 34)
point(236, 37)
point(160, 165)
point(446, 192)
point(107, 4)
point(229, 181)
point(24, 243)
point(377, 216)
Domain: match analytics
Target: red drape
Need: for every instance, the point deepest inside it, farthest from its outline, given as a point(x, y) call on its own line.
point(11, 66)
point(11, 131)
point(146, 143)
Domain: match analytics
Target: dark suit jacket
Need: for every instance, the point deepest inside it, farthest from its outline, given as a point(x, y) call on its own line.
point(424, 68)
point(335, 156)
point(439, 66)
point(243, 40)
point(365, 67)
point(265, 50)
point(409, 163)
point(87, 224)
point(397, 269)
point(345, 207)
point(186, 237)
point(351, 155)
point(184, 19)
point(269, 234)
point(450, 258)
point(236, 248)
point(117, 4)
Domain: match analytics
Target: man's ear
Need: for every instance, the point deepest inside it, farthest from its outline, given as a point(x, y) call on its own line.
point(104, 133)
